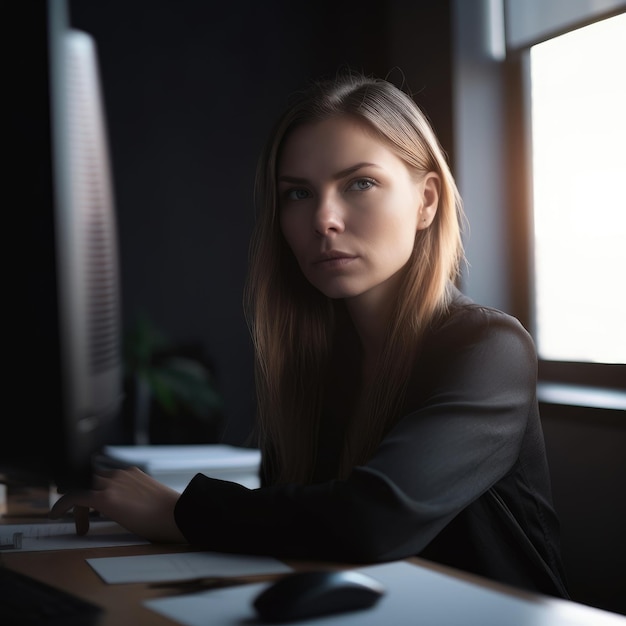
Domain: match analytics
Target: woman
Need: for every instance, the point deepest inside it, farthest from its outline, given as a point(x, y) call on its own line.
point(396, 417)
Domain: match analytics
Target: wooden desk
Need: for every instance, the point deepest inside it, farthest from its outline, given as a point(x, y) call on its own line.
point(69, 570)
point(123, 603)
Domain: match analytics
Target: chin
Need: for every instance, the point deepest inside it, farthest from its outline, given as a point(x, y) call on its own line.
point(337, 292)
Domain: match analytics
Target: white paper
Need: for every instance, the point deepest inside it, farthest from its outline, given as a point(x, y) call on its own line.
point(182, 566)
point(176, 465)
point(415, 595)
point(51, 535)
point(170, 457)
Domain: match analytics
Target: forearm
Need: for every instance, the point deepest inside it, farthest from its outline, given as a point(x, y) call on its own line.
point(363, 519)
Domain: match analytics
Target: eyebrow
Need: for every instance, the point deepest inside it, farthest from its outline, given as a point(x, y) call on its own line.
point(338, 176)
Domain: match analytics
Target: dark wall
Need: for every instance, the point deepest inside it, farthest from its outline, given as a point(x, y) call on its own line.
point(192, 88)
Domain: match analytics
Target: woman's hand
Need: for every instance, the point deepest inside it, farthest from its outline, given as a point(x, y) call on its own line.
point(133, 499)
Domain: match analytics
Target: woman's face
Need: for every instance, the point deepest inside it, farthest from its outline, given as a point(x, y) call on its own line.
point(350, 208)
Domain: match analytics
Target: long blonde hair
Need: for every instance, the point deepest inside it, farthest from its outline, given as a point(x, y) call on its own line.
point(292, 324)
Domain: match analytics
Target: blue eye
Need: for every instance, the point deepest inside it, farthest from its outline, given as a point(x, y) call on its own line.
point(362, 184)
point(298, 194)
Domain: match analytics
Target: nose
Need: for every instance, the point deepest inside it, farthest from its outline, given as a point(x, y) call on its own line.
point(328, 217)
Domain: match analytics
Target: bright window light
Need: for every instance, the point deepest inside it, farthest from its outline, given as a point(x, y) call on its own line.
point(578, 92)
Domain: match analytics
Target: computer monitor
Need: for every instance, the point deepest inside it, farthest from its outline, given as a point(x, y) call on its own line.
point(65, 387)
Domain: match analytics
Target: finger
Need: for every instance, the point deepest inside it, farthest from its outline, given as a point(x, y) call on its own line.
point(100, 481)
point(81, 519)
point(110, 472)
point(102, 472)
point(103, 477)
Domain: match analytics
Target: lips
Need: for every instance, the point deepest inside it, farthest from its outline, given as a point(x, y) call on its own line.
point(333, 259)
point(333, 255)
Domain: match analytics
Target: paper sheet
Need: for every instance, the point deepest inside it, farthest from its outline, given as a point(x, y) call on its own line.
point(51, 535)
point(175, 465)
point(182, 566)
point(157, 458)
point(414, 595)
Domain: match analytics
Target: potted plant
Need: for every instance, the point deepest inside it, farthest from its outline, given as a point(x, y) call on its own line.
point(172, 396)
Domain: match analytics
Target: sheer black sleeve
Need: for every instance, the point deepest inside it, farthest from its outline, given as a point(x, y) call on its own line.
point(473, 390)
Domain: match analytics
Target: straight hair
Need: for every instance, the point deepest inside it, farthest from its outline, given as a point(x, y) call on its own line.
point(293, 324)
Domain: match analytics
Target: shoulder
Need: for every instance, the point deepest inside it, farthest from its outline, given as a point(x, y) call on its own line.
point(476, 353)
point(480, 338)
point(466, 323)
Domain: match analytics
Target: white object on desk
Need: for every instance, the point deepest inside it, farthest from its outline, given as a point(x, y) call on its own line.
point(176, 465)
point(154, 568)
point(415, 595)
point(49, 535)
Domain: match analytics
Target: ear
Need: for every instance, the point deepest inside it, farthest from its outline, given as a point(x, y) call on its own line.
point(430, 191)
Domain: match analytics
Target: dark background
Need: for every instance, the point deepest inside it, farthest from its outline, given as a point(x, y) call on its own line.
point(191, 90)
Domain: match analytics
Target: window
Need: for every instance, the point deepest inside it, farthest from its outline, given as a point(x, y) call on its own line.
point(578, 168)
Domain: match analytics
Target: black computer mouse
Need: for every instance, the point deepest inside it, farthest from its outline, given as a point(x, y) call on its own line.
point(314, 593)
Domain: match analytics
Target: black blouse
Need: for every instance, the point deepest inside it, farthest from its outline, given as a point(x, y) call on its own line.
point(461, 479)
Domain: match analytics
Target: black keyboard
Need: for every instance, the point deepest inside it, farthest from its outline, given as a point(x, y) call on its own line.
point(25, 601)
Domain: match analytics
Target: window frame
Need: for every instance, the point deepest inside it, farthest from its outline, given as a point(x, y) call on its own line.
point(563, 375)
